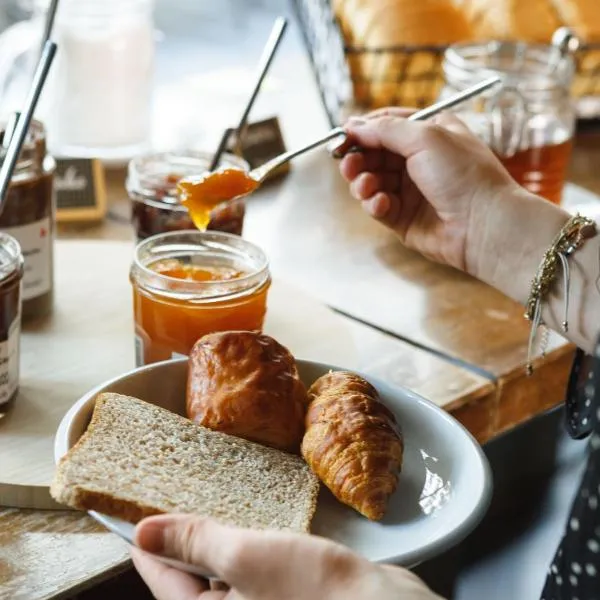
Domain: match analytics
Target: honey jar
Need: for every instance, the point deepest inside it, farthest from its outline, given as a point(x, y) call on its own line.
point(190, 283)
point(11, 275)
point(152, 187)
point(28, 216)
point(528, 120)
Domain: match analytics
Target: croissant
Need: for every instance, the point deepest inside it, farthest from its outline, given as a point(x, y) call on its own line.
point(353, 442)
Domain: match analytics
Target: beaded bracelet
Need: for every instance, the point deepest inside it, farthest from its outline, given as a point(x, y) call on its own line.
point(569, 239)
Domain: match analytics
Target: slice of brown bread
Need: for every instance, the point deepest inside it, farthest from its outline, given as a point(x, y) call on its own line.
point(137, 459)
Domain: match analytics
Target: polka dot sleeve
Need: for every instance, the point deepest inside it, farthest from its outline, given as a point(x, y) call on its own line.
point(574, 573)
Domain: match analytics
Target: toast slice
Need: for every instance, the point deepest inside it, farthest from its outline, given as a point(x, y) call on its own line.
point(137, 459)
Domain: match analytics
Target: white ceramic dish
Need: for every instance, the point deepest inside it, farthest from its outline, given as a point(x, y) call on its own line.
point(445, 485)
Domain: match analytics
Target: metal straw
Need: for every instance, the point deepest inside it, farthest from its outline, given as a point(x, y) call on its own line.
point(265, 62)
point(16, 143)
point(49, 23)
point(9, 131)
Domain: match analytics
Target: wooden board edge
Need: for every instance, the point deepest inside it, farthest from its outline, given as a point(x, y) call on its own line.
point(31, 497)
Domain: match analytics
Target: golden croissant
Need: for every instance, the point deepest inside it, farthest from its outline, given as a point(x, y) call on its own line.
point(353, 442)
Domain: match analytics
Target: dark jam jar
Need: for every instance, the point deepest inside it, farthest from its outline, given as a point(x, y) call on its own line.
point(152, 182)
point(28, 216)
point(11, 274)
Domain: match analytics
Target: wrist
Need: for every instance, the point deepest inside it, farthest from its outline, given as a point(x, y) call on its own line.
point(508, 238)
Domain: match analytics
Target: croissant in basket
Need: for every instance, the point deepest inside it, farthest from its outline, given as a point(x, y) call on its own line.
point(353, 443)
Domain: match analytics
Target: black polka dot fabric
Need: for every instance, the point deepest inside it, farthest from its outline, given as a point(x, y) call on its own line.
point(575, 570)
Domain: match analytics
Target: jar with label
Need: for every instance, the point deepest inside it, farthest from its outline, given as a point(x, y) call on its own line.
point(528, 120)
point(152, 187)
point(28, 216)
point(190, 283)
point(11, 274)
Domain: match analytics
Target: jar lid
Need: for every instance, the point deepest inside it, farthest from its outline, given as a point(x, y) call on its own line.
point(33, 150)
point(11, 257)
point(153, 178)
point(203, 249)
point(533, 67)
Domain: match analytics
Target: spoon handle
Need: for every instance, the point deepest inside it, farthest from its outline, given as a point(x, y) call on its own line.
point(263, 171)
point(260, 173)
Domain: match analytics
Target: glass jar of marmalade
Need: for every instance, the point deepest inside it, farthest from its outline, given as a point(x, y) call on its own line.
point(190, 283)
point(152, 187)
point(11, 274)
point(528, 120)
point(28, 216)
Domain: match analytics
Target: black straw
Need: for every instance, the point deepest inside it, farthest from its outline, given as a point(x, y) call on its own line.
point(265, 62)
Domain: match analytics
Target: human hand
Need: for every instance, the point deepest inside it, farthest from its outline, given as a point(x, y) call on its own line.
point(434, 183)
point(262, 565)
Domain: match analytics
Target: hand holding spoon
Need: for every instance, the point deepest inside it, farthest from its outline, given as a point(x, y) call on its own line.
point(203, 193)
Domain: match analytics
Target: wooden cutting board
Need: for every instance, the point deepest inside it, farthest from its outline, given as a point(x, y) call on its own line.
point(89, 338)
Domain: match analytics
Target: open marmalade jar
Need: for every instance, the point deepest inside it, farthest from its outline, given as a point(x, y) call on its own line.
point(152, 186)
point(190, 283)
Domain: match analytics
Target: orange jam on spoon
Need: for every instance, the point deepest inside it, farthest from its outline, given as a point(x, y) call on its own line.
point(201, 195)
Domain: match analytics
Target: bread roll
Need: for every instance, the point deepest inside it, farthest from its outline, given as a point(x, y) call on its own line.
point(520, 20)
point(582, 16)
point(246, 384)
point(399, 77)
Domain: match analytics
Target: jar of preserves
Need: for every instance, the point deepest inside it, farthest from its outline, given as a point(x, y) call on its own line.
point(28, 216)
point(152, 186)
point(11, 274)
point(528, 120)
point(190, 283)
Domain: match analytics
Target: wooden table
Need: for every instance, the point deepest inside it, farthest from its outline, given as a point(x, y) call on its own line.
point(438, 332)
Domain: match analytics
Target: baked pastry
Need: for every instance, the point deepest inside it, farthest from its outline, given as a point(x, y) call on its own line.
point(582, 16)
point(352, 442)
point(247, 384)
point(137, 460)
point(512, 20)
point(398, 77)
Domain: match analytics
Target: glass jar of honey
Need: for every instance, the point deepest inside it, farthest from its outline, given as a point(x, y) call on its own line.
point(528, 120)
point(190, 283)
point(28, 216)
point(152, 186)
point(11, 274)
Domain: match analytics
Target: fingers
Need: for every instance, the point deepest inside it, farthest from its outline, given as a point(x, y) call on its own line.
point(166, 582)
point(373, 160)
point(233, 555)
point(399, 135)
point(367, 184)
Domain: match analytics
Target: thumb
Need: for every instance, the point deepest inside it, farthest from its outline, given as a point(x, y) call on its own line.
point(225, 552)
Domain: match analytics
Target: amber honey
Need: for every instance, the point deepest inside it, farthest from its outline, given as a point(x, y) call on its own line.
point(542, 170)
point(188, 284)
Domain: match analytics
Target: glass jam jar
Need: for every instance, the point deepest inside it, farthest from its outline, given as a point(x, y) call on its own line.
point(190, 283)
point(28, 216)
point(528, 120)
point(152, 182)
point(11, 274)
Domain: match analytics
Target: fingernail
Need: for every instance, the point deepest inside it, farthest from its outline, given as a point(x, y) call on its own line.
point(150, 536)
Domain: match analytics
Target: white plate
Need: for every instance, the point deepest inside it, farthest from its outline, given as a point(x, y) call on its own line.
point(445, 485)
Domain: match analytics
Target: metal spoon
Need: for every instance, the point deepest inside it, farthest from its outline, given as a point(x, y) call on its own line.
point(22, 127)
point(261, 173)
point(265, 62)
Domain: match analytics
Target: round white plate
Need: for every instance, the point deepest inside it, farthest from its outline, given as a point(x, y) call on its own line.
point(444, 490)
